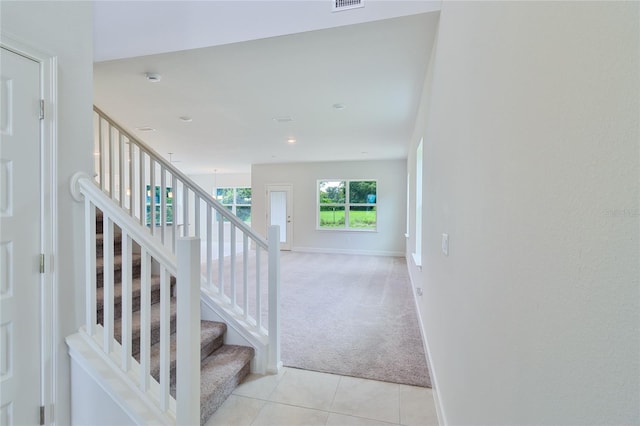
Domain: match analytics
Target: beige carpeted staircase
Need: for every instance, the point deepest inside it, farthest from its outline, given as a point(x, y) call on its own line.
point(223, 367)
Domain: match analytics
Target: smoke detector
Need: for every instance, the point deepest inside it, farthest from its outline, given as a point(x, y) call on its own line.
point(339, 5)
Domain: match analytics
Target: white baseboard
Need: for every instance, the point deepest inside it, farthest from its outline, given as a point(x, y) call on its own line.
point(348, 251)
point(442, 420)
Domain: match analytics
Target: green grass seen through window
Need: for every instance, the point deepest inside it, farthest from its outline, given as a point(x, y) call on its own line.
point(358, 219)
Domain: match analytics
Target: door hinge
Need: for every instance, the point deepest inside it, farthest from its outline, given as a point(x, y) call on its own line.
point(42, 263)
point(41, 109)
point(42, 414)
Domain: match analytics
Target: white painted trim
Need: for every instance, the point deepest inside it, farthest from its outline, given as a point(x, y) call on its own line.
point(349, 251)
point(442, 419)
point(48, 217)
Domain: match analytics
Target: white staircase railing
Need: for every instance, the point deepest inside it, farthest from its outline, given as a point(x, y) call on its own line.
point(154, 257)
point(240, 270)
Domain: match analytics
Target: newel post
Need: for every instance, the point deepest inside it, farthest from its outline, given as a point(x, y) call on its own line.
point(188, 332)
point(273, 238)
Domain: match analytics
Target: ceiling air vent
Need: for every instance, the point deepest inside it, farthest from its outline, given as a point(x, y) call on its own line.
point(283, 119)
point(339, 5)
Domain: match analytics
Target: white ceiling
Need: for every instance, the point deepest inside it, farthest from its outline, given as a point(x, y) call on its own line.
point(234, 90)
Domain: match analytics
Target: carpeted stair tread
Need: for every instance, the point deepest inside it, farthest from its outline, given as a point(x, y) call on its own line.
point(155, 326)
point(211, 338)
point(135, 295)
point(220, 373)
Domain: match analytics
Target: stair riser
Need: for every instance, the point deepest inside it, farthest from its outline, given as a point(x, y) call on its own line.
point(155, 336)
point(117, 247)
point(216, 400)
point(135, 303)
point(99, 221)
point(117, 273)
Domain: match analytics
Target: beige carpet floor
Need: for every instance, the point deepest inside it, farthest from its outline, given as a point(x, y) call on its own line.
point(351, 315)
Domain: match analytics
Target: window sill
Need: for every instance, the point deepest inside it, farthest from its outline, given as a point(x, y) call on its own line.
point(345, 230)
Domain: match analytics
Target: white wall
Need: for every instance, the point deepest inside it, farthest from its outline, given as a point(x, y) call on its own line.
point(210, 181)
point(92, 405)
point(391, 176)
point(532, 167)
point(64, 29)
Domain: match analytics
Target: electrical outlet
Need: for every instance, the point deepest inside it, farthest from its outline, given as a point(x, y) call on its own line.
point(445, 244)
point(419, 291)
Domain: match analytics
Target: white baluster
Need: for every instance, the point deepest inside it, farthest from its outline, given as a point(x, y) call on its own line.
point(112, 166)
point(209, 247)
point(221, 254)
point(258, 316)
point(107, 282)
point(174, 203)
point(131, 195)
point(245, 273)
point(163, 203)
point(145, 319)
point(196, 212)
point(165, 339)
point(90, 261)
point(185, 210)
point(126, 301)
point(142, 189)
point(152, 186)
point(232, 265)
point(121, 169)
point(102, 152)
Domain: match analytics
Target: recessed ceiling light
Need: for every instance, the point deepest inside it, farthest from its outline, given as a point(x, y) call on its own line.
point(283, 119)
point(145, 129)
point(186, 119)
point(339, 106)
point(291, 140)
point(153, 77)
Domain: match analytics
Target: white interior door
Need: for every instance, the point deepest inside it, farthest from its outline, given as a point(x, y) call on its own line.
point(20, 244)
point(280, 202)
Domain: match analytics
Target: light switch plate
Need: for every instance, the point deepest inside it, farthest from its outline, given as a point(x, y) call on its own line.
point(445, 244)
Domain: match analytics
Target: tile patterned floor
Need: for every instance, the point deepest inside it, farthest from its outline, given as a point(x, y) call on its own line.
point(298, 397)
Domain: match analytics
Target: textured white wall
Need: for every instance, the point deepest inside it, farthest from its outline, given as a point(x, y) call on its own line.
point(64, 29)
point(391, 175)
point(532, 168)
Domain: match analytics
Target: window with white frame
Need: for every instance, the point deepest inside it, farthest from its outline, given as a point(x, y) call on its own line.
point(348, 204)
point(237, 200)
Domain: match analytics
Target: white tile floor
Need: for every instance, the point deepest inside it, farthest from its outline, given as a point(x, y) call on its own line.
point(299, 397)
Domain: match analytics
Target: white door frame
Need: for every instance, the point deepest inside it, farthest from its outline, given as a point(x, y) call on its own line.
point(48, 218)
point(288, 188)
